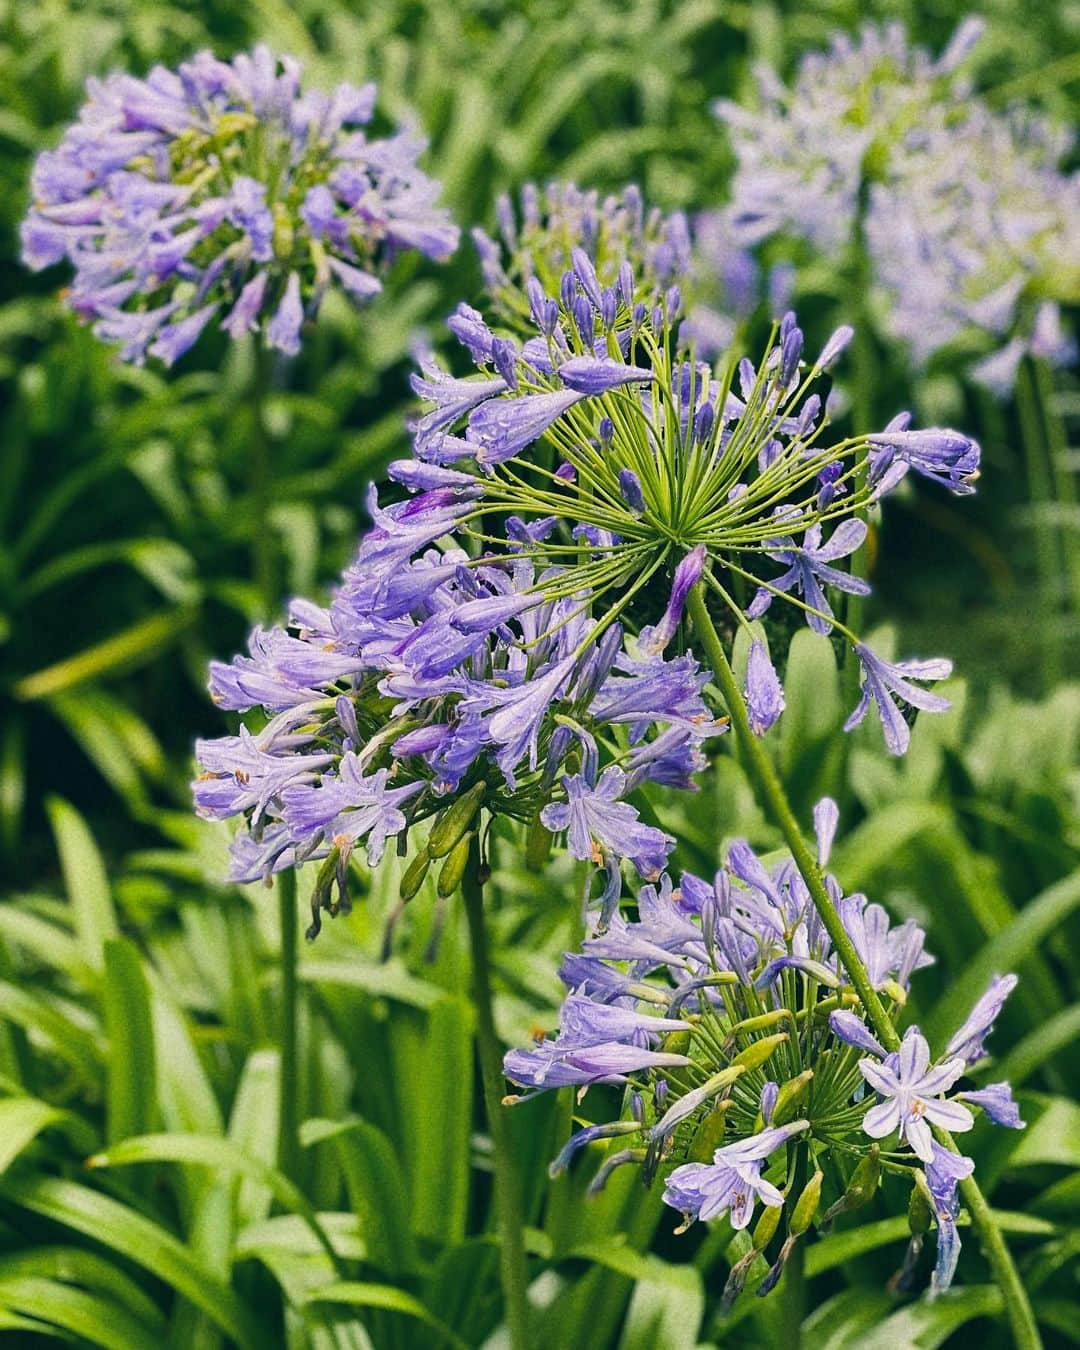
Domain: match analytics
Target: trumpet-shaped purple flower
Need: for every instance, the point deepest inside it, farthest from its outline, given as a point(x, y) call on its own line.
point(810, 567)
point(348, 807)
point(886, 681)
point(599, 823)
point(911, 1096)
point(998, 1103)
point(732, 1182)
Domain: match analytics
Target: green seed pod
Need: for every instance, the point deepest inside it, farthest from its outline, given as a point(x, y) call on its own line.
point(453, 869)
point(454, 821)
point(710, 1133)
point(791, 1096)
point(766, 1226)
point(413, 876)
point(802, 1216)
point(920, 1207)
point(763, 1022)
point(759, 1052)
point(862, 1186)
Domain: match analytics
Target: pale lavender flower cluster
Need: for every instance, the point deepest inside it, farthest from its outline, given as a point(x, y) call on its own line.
point(224, 191)
point(967, 219)
point(717, 1006)
point(432, 674)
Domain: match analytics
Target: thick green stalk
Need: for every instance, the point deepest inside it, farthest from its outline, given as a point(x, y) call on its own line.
point(773, 800)
point(262, 566)
point(508, 1201)
point(288, 1100)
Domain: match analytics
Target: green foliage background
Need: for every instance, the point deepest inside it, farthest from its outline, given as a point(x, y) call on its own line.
point(138, 997)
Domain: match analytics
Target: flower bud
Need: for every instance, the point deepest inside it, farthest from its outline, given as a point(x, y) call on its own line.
point(790, 1098)
point(454, 821)
point(802, 1216)
point(760, 1052)
point(920, 1207)
point(414, 875)
point(862, 1186)
point(710, 1134)
point(453, 869)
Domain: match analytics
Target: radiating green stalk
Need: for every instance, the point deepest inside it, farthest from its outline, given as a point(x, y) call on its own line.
point(262, 565)
point(773, 800)
point(508, 1198)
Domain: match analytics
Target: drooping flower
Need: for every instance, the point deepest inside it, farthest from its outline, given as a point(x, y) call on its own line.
point(884, 682)
point(223, 190)
point(732, 1182)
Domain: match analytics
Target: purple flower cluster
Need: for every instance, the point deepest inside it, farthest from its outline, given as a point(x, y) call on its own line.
point(725, 1015)
point(968, 220)
point(610, 455)
point(537, 242)
point(225, 191)
point(433, 673)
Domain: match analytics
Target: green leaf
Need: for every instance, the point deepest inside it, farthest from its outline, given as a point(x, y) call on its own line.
point(666, 1309)
point(53, 1021)
point(142, 1241)
point(130, 1096)
point(141, 642)
point(1048, 1040)
point(85, 881)
point(22, 1119)
point(77, 1265)
point(1004, 952)
point(375, 1185)
point(928, 1323)
point(95, 1319)
point(223, 1156)
point(387, 1298)
point(840, 1322)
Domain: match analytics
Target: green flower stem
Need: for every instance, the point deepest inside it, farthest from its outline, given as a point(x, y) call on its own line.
point(773, 800)
point(262, 566)
point(508, 1205)
point(288, 1101)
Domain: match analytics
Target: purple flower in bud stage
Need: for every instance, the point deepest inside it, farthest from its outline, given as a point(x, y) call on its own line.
point(549, 1066)
point(945, 457)
point(597, 375)
point(998, 1103)
point(222, 189)
point(826, 819)
point(852, 1030)
point(809, 568)
point(732, 1182)
point(885, 681)
point(599, 823)
point(911, 1096)
point(688, 573)
point(968, 1040)
point(763, 692)
point(502, 427)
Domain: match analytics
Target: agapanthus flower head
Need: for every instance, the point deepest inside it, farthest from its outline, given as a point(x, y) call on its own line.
point(968, 220)
point(439, 685)
point(727, 1018)
point(225, 192)
point(606, 452)
point(539, 235)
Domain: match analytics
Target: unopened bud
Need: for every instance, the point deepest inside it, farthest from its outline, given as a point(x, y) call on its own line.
point(790, 1098)
point(760, 1052)
point(920, 1207)
point(802, 1216)
point(862, 1186)
point(454, 822)
point(413, 876)
point(710, 1133)
point(766, 1226)
point(453, 869)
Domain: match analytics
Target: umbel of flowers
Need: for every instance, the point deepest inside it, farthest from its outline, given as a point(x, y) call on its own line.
point(967, 219)
point(225, 192)
point(601, 449)
point(436, 684)
point(749, 1075)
